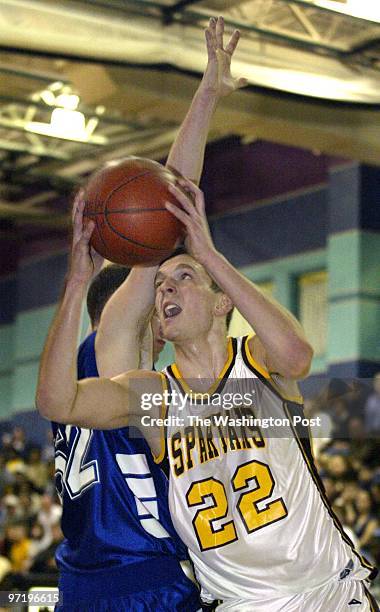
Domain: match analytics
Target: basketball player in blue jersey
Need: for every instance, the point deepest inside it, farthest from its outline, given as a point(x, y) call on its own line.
point(121, 552)
point(90, 563)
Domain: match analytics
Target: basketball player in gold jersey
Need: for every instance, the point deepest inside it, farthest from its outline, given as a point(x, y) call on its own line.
point(248, 505)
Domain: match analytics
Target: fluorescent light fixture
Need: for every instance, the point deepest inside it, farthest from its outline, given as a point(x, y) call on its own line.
point(68, 101)
point(67, 124)
point(363, 9)
point(47, 96)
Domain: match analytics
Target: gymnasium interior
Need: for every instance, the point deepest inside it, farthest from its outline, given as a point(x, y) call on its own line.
point(292, 187)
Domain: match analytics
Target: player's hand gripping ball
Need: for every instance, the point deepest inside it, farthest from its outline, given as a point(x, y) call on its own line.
point(126, 199)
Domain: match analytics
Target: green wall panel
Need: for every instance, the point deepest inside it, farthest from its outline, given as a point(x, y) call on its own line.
point(31, 330)
point(6, 347)
point(5, 394)
point(353, 261)
point(343, 331)
point(354, 296)
point(369, 330)
point(370, 263)
point(24, 382)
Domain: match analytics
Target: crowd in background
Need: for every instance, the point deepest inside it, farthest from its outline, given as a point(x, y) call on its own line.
point(30, 513)
point(347, 455)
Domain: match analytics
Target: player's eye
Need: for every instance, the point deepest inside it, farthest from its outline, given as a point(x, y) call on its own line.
point(185, 275)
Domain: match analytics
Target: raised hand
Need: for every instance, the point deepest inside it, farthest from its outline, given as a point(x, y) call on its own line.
point(85, 262)
point(191, 213)
point(217, 76)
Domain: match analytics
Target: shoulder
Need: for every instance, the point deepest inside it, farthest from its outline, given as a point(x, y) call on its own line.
point(286, 387)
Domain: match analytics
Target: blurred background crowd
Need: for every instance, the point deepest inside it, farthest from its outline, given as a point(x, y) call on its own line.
point(346, 449)
point(30, 512)
point(347, 455)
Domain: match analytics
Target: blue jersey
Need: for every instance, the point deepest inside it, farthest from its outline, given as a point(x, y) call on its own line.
point(115, 508)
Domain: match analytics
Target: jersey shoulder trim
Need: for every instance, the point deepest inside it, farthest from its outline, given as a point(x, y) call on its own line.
point(174, 372)
point(277, 386)
point(249, 360)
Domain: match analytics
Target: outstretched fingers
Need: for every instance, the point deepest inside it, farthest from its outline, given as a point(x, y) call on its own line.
point(210, 34)
point(219, 31)
point(232, 43)
point(210, 44)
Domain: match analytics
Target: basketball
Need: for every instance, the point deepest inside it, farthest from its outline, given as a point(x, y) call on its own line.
point(126, 199)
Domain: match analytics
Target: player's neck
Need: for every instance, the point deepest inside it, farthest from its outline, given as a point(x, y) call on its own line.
point(201, 360)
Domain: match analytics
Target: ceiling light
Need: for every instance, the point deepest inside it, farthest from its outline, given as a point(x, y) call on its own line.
point(68, 101)
point(363, 9)
point(67, 124)
point(71, 123)
point(66, 121)
point(47, 96)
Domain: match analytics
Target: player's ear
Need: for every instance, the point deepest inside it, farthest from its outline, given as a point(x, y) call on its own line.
point(223, 305)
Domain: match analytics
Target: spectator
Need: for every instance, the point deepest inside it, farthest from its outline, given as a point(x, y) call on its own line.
point(15, 463)
point(372, 409)
point(50, 513)
point(5, 476)
point(39, 542)
point(18, 443)
point(36, 469)
point(10, 505)
point(19, 543)
point(366, 523)
point(44, 562)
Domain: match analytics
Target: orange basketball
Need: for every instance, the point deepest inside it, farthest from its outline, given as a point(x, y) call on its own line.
point(126, 199)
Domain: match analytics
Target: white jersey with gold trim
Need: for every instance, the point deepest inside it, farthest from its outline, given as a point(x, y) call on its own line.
point(246, 499)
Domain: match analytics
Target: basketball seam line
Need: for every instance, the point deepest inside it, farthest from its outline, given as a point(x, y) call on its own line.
point(130, 180)
point(140, 244)
point(123, 210)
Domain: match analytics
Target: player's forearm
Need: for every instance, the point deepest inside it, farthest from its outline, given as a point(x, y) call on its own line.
point(57, 381)
point(123, 323)
point(280, 333)
point(187, 153)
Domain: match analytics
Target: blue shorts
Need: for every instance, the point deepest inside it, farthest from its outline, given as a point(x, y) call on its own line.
point(182, 596)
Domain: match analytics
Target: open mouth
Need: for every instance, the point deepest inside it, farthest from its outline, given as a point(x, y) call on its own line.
point(171, 310)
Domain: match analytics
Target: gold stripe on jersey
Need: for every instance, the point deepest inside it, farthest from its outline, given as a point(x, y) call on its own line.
point(219, 381)
point(270, 378)
point(316, 479)
point(163, 411)
point(252, 364)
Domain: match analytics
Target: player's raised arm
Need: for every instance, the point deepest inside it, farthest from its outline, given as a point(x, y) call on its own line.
point(187, 153)
point(59, 396)
point(280, 344)
point(125, 316)
point(123, 324)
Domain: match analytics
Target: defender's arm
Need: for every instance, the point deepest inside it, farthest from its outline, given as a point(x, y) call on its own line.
point(125, 316)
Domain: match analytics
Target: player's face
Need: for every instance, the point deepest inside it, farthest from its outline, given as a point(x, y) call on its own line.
point(185, 300)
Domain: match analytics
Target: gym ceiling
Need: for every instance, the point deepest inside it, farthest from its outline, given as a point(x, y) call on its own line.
point(127, 69)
